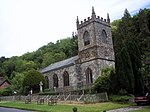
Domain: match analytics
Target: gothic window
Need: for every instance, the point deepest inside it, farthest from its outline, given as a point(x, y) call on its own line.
point(55, 80)
point(86, 38)
point(47, 82)
point(66, 78)
point(104, 36)
point(89, 78)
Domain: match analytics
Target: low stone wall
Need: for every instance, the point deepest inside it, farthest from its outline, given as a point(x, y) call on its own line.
point(87, 98)
point(92, 98)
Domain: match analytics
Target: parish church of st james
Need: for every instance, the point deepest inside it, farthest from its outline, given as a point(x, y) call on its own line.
point(95, 51)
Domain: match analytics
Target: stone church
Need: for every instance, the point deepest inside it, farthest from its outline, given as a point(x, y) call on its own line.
point(95, 50)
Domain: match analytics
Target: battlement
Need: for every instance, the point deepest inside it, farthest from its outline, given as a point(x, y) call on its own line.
point(93, 18)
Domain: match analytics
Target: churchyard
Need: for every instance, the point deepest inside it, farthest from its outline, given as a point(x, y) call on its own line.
point(63, 106)
point(68, 106)
point(62, 103)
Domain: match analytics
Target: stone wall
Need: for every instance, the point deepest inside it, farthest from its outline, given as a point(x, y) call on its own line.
point(72, 76)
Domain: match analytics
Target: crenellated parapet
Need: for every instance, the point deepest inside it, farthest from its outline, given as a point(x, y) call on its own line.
point(93, 18)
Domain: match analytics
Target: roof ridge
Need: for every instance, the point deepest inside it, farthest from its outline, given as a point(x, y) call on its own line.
point(59, 64)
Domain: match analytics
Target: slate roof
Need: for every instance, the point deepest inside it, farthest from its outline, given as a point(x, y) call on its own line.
point(60, 64)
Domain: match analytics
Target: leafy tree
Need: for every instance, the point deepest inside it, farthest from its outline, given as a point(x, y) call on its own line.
point(17, 83)
point(32, 80)
point(104, 81)
point(68, 46)
point(9, 66)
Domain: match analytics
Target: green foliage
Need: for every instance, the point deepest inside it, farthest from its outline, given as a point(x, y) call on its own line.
point(143, 42)
point(74, 109)
point(16, 83)
point(32, 80)
point(120, 98)
point(5, 91)
point(124, 71)
point(44, 56)
point(131, 45)
point(15, 68)
point(9, 66)
point(104, 81)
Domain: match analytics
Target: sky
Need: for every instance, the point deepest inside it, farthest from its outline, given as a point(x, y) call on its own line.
point(26, 25)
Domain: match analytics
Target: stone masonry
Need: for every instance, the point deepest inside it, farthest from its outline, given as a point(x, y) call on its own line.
point(95, 50)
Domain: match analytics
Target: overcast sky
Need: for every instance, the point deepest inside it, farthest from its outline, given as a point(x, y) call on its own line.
point(26, 25)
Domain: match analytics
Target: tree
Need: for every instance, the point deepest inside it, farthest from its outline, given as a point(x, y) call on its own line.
point(143, 43)
point(9, 66)
point(124, 71)
point(104, 81)
point(32, 80)
point(127, 55)
point(17, 83)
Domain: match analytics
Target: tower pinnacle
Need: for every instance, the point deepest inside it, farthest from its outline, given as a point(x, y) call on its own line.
point(93, 13)
point(108, 19)
point(77, 22)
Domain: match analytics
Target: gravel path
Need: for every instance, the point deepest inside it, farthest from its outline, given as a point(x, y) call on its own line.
point(127, 109)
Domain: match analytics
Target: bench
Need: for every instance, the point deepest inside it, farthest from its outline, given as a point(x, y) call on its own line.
point(52, 101)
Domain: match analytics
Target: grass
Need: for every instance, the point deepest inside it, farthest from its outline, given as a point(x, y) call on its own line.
point(144, 109)
point(97, 107)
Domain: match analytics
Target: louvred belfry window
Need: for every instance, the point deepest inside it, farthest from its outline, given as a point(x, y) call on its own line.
point(86, 38)
point(104, 36)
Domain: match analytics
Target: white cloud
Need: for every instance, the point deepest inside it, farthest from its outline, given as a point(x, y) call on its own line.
point(26, 25)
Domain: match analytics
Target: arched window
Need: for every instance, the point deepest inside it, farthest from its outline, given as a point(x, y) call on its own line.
point(55, 80)
point(89, 78)
point(86, 38)
point(104, 36)
point(66, 78)
point(47, 82)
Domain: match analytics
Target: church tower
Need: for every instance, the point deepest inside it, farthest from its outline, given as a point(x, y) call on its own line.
point(95, 47)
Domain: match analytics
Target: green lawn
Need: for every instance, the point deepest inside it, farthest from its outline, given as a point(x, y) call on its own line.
point(98, 107)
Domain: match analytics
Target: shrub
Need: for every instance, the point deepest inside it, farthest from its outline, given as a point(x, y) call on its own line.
point(120, 98)
point(5, 92)
point(104, 82)
point(49, 93)
point(74, 109)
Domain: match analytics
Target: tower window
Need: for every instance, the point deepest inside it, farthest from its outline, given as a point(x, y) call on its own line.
point(104, 36)
point(86, 38)
point(66, 78)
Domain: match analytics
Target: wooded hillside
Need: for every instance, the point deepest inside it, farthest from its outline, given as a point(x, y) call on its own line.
point(131, 39)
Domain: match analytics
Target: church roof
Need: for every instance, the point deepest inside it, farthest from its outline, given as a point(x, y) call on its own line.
point(60, 64)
